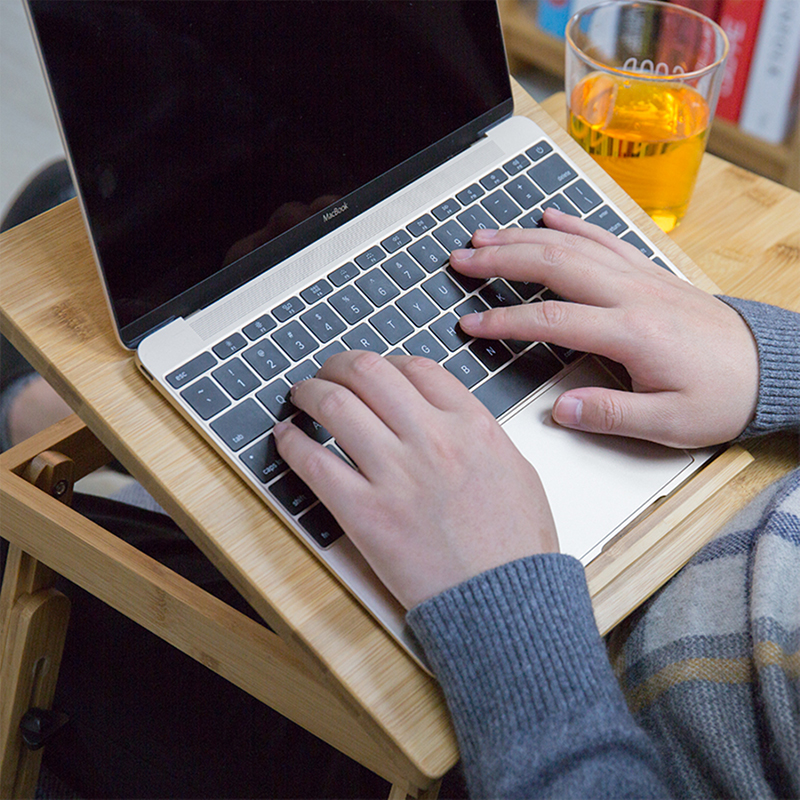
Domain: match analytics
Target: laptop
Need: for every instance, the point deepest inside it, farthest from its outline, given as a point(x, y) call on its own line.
point(266, 184)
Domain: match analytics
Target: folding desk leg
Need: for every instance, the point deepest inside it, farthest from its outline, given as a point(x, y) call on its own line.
point(33, 626)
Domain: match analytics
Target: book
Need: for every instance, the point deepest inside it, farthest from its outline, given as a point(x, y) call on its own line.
point(767, 108)
point(739, 19)
point(552, 16)
point(709, 8)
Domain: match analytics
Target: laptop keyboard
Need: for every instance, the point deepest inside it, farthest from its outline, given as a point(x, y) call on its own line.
point(398, 297)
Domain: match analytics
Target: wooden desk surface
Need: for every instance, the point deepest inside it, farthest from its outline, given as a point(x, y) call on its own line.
point(741, 229)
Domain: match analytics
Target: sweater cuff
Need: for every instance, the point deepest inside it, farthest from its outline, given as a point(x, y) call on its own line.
point(521, 637)
point(777, 335)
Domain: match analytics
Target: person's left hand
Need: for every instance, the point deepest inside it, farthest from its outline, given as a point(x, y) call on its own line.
point(440, 495)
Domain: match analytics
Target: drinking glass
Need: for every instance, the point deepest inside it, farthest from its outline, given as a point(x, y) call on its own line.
point(642, 81)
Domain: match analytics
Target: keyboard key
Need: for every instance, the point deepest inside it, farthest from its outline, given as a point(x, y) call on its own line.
point(294, 305)
point(490, 353)
point(419, 226)
point(372, 257)
point(275, 399)
point(448, 333)
point(423, 344)
point(236, 378)
point(428, 254)
point(266, 359)
point(364, 338)
point(316, 291)
point(263, 460)
point(417, 307)
point(584, 197)
point(516, 165)
point(321, 356)
point(443, 290)
point(351, 304)
point(476, 218)
point(465, 368)
point(524, 192)
point(295, 341)
point(470, 194)
point(526, 289)
point(466, 282)
point(451, 236)
point(538, 151)
point(231, 345)
point(532, 220)
point(242, 424)
point(255, 330)
point(606, 218)
point(323, 322)
point(403, 271)
point(561, 203)
point(377, 287)
point(633, 239)
point(312, 428)
point(340, 276)
point(190, 370)
point(552, 173)
point(321, 526)
point(498, 294)
point(391, 324)
point(446, 209)
point(397, 240)
point(662, 263)
point(505, 389)
point(471, 305)
point(493, 180)
point(302, 372)
point(206, 398)
point(501, 206)
point(292, 493)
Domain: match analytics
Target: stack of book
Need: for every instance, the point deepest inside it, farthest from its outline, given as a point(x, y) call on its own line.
point(760, 87)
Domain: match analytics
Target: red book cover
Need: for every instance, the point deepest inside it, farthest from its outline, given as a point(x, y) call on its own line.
point(739, 19)
point(709, 8)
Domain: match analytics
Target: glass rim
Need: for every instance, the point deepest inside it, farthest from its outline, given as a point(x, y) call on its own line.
point(679, 10)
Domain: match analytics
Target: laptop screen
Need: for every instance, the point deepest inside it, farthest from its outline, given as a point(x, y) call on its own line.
point(212, 139)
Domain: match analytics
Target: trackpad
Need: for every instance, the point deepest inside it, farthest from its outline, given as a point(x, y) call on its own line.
point(595, 484)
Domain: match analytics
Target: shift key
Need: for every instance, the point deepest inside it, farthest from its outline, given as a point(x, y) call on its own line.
point(505, 389)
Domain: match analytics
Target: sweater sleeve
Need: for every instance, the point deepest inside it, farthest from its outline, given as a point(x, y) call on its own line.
point(536, 707)
point(777, 335)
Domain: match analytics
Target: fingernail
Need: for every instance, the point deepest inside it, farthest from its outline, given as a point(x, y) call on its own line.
point(486, 233)
point(462, 255)
point(472, 320)
point(280, 427)
point(567, 411)
point(554, 211)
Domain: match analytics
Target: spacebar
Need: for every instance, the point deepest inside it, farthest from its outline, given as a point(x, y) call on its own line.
point(518, 379)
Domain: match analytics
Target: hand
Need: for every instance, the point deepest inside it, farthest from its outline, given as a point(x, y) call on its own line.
point(692, 359)
point(441, 493)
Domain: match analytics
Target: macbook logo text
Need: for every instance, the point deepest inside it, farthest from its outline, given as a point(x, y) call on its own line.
point(334, 212)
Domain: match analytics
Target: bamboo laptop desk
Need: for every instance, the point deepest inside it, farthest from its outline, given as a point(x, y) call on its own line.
point(328, 666)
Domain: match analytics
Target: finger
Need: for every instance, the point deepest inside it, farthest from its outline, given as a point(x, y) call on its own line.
point(379, 385)
point(433, 382)
point(327, 475)
point(580, 327)
point(571, 266)
point(362, 433)
point(649, 416)
point(566, 223)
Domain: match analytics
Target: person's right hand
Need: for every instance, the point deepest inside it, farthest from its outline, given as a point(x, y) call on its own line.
point(692, 359)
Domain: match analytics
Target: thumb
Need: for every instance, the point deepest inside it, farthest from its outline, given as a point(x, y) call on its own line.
point(620, 413)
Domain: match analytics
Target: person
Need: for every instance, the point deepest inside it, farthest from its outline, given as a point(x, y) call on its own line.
point(460, 531)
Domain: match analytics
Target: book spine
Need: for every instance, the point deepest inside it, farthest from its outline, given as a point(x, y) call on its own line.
point(739, 19)
point(552, 16)
point(709, 8)
point(767, 106)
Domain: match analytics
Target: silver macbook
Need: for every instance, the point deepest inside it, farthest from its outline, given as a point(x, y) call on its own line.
point(266, 184)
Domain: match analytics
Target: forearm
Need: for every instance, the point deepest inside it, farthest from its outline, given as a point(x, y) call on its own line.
point(777, 335)
point(536, 707)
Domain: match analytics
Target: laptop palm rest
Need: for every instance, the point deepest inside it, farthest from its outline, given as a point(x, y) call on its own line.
point(595, 483)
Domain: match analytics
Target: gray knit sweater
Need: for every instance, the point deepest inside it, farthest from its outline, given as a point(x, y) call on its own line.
point(710, 666)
